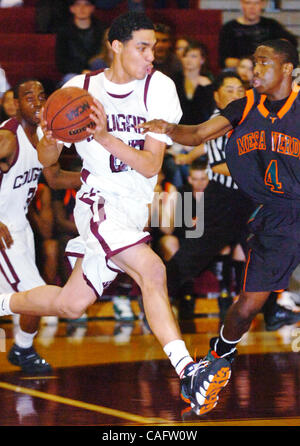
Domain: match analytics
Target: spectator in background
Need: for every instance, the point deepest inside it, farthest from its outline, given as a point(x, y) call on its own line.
point(181, 45)
point(79, 39)
point(195, 92)
point(194, 85)
point(63, 202)
point(8, 106)
point(40, 215)
point(240, 37)
point(4, 84)
point(245, 69)
point(165, 60)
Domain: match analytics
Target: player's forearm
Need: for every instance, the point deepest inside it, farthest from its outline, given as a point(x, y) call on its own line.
point(48, 152)
point(187, 135)
point(143, 161)
point(62, 179)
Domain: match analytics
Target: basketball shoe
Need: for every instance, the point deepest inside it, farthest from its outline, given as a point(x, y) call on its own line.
point(29, 360)
point(202, 382)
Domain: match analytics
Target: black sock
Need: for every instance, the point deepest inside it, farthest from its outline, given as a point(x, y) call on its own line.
point(223, 347)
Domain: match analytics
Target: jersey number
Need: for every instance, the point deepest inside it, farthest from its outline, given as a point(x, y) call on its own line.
point(271, 178)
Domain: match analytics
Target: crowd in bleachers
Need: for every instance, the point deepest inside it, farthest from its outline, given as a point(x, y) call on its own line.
point(81, 46)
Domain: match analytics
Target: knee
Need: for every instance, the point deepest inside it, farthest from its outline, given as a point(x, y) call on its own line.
point(154, 276)
point(246, 310)
point(72, 309)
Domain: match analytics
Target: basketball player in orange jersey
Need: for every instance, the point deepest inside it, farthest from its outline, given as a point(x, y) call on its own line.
point(19, 175)
point(263, 157)
point(120, 167)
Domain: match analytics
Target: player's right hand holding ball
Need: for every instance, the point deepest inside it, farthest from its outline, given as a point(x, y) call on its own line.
point(99, 117)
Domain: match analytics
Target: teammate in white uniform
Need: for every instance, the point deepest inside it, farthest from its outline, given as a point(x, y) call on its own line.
point(20, 170)
point(119, 174)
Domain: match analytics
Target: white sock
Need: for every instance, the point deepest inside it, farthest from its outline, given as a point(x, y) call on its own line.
point(178, 355)
point(4, 304)
point(24, 339)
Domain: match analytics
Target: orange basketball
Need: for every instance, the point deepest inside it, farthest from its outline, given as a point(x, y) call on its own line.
point(67, 113)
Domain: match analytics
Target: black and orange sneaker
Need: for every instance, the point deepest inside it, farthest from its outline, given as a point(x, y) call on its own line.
point(202, 382)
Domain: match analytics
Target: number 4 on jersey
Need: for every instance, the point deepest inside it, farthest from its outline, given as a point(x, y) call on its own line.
point(271, 177)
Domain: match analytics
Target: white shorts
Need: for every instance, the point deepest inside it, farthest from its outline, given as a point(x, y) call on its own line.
point(18, 271)
point(105, 228)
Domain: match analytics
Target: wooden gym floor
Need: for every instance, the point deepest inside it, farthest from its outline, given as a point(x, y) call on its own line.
point(111, 374)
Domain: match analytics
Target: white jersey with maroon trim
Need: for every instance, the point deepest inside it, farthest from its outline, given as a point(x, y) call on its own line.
point(126, 105)
point(18, 185)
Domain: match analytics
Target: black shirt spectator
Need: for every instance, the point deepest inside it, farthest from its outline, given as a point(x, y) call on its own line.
point(238, 40)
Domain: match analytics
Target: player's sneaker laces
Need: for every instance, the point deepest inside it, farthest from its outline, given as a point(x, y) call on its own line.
point(29, 360)
point(122, 309)
point(202, 383)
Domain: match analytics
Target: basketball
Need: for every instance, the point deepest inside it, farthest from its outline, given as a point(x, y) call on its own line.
point(67, 113)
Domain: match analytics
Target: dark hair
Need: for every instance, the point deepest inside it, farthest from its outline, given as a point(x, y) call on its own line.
point(123, 26)
point(284, 48)
point(196, 45)
point(219, 80)
point(199, 164)
point(162, 28)
point(71, 2)
point(23, 81)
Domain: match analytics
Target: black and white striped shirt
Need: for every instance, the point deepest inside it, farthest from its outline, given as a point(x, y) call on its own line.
point(215, 150)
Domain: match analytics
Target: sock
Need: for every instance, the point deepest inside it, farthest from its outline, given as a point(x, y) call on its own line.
point(178, 355)
point(4, 304)
point(223, 347)
point(24, 339)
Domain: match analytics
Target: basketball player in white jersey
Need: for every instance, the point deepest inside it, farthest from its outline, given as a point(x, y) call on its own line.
point(19, 174)
point(120, 168)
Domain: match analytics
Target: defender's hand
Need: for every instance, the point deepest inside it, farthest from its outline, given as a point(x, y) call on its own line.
point(156, 126)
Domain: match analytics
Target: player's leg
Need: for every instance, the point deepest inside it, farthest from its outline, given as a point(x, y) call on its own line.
point(49, 300)
point(147, 269)
point(23, 353)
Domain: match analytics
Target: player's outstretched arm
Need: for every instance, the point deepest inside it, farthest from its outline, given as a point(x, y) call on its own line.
point(189, 135)
point(48, 147)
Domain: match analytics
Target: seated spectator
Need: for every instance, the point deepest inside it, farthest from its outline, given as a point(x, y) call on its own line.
point(195, 92)
point(240, 37)
point(8, 107)
point(79, 39)
point(4, 84)
point(165, 60)
point(245, 69)
point(181, 45)
point(41, 218)
point(194, 85)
